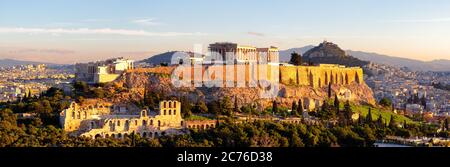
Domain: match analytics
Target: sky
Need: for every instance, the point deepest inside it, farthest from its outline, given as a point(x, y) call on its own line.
point(70, 31)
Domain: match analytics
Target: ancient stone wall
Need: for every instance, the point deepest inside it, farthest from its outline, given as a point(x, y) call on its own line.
point(314, 76)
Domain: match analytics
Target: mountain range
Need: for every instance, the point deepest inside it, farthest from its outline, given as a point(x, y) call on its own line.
point(12, 62)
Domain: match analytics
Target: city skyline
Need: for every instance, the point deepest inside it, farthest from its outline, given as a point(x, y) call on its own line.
point(69, 31)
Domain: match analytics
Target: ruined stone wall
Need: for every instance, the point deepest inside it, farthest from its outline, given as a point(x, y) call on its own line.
point(314, 76)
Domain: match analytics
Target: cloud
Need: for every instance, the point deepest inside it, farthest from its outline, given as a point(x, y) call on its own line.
point(102, 31)
point(256, 34)
point(147, 22)
point(39, 51)
point(432, 20)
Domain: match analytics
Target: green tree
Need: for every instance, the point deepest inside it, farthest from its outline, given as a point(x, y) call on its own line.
point(296, 59)
point(274, 107)
point(369, 116)
point(226, 106)
point(336, 103)
point(392, 123)
point(348, 112)
point(201, 107)
point(300, 107)
point(294, 108)
point(186, 107)
point(213, 107)
point(386, 102)
point(380, 121)
point(446, 124)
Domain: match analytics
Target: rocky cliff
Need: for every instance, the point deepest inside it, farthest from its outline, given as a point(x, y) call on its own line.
point(158, 79)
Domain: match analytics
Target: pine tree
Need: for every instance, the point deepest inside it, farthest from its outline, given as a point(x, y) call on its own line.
point(369, 116)
point(336, 103)
point(300, 107)
point(236, 107)
point(446, 124)
point(360, 120)
point(392, 122)
point(296, 59)
point(274, 107)
point(380, 121)
point(348, 111)
point(294, 108)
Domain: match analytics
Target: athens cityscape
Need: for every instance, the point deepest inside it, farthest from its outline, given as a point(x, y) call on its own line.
point(186, 74)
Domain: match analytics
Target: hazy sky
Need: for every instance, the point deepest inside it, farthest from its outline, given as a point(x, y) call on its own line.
point(64, 31)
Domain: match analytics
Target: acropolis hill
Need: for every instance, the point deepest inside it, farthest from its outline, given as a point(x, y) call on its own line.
point(241, 73)
point(307, 82)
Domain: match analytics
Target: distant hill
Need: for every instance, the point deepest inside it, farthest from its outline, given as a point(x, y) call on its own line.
point(285, 55)
point(417, 65)
point(12, 62)
point(165, 58)
point(326, 53)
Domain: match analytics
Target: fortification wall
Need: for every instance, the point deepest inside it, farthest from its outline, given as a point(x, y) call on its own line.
point(314, 76)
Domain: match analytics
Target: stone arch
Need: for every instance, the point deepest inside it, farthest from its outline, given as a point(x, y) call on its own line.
point(119, 135)
point(92, 125)
point(159, 123)
point(125, 135)
point(113, 135)
point(144, 113)
point(84, 115)
point(118, 122)
point(170, 112)
point(150, 134)
point(164, 104)
point(107, 136)
point(144, 135)
point(207, 126)
point(73, 114)
point(144, 122)
point(151, 122)
point(170, 104)
point(342, 79)
point(111, 126)
point(164, 112)
point(174, 104)
point(78, 115)
point(127, 125)
point(326, 78)
point(98, 136)
point(156, 134)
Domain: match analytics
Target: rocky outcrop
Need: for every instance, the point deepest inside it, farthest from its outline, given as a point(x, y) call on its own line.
point(160, 81)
